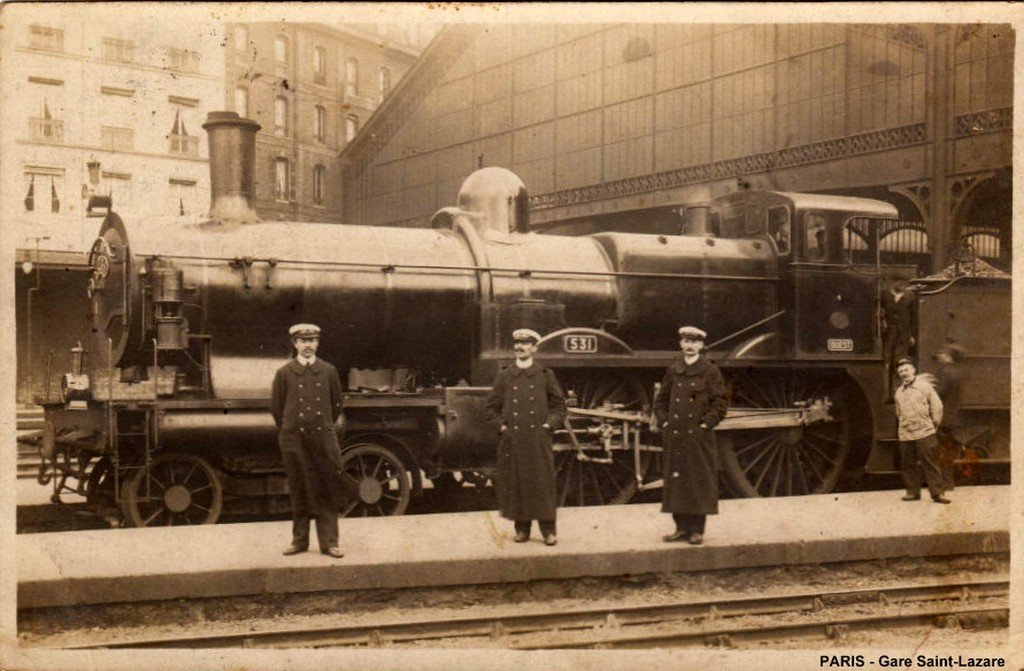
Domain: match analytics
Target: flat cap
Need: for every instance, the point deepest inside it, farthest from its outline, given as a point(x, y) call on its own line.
point(526, 334)
point(304, 330)
point(692, 332)
point(903, 360)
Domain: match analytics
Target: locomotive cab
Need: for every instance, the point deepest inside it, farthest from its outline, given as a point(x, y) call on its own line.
point(818, 239)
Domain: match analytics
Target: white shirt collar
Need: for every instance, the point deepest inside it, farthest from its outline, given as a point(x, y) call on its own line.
point(690, 361)
point(521, 363)
point(306, 362)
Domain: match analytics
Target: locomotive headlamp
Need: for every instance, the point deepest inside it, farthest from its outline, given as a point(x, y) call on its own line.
point(26, 266)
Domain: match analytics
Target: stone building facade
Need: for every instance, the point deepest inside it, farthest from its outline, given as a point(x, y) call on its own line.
point(311, 87)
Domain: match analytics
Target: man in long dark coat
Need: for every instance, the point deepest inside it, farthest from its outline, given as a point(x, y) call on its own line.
point(692, 400)
point(306, 402)
point(527, 403)
point(950, 379)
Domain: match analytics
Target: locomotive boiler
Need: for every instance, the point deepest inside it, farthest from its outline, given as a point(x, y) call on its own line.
point(164, 417)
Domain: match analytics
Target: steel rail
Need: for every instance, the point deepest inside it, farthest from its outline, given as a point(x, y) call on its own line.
point(496, 625)
point(835, 628)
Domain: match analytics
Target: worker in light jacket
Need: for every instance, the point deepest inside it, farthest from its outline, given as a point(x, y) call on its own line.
point(306, 402)
point(692, 400)
point(527, 405)
point(919, 413)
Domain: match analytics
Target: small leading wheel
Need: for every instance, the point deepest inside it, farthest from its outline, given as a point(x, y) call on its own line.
point(99, 487)
point(382, 478)
point(176, 489)
point(595, 481)
point(787, 461)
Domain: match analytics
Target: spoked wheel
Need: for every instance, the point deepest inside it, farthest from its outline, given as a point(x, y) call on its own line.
point(176, 489)
point(792, 460)
point(382, 478)
point(587, 482)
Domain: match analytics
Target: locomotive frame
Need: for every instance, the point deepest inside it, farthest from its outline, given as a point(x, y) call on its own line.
point(149, 434)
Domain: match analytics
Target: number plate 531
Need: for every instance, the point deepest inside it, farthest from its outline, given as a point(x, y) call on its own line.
point(579, 344)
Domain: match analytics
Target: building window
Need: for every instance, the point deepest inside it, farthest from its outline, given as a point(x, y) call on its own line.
point(182, 60)
point(122, 51)
point(319, 64)
point(44, 188)
point(117, 138)
point(282, 179)
point(181, 142)
point(45, 39)
point(281, 115)
point(45, 128)
point(320, 123)
point(351, 77)
point(119, 186)
point(241, 40)
point(181, 196)
point(242, 101)
point(351, 127)
point(384, 80)
point(280, 56)
point(319, 176)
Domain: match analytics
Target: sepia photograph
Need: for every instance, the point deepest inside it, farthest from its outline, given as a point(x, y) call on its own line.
point(508, 336)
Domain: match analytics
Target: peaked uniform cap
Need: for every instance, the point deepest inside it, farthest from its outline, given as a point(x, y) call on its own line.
point(525, 334)
point(304, 330)
point(692, 332)
point(904, 360)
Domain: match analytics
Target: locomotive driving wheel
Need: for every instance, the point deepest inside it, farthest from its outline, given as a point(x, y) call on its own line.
point(792, 460)
point(594, 480)
point(175, 489)
point(382, 478)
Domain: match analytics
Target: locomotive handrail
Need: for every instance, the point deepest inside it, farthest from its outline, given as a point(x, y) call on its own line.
point(746, 328)
point(392, 267)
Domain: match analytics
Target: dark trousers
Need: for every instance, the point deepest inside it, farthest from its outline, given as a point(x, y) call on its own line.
point(326, 530)
point(948, 452)
point(919, 458)
point(326, 519)
point(547, 527)
point(689, 523)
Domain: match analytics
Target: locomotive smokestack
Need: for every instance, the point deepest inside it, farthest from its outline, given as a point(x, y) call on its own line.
point(232, 167)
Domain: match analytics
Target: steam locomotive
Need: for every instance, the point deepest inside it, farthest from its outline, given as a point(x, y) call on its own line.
point(163, 417)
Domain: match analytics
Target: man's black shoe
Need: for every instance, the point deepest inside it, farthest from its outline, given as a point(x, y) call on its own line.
point(696, 538)
point(333, 552)
point(293, 550)
point(521, 537)
point(941, 499)
point(679, 535)
point(912, 497)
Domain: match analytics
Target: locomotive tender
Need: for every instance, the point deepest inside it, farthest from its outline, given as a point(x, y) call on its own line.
point(164, 416)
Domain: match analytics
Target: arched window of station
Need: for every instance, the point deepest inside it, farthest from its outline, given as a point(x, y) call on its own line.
point(984, 219)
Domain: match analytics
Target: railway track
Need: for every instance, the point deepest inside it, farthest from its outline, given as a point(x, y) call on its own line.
point(723, 622)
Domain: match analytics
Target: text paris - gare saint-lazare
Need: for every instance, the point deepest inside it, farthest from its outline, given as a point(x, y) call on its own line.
point(918, 662)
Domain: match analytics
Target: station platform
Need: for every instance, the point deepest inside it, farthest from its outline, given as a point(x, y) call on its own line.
point(109, 566)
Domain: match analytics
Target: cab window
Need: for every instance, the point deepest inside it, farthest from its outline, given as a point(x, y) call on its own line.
point(779, 228)
point(815, 237)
